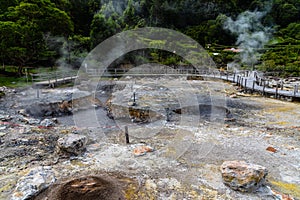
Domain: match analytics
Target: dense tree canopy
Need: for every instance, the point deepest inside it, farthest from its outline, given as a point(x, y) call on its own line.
point(36, 32)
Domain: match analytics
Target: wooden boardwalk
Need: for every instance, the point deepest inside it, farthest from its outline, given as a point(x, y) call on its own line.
point(53, 79)
point(54, 82)
point(251, 83)
point(247, 80)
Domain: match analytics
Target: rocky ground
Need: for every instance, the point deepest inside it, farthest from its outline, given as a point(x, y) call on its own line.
point(172, 154)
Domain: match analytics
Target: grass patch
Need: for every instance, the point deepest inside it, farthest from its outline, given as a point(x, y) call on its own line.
point(10, 78)
point(14, 82)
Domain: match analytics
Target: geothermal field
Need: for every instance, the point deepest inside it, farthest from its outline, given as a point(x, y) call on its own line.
point(148, 138)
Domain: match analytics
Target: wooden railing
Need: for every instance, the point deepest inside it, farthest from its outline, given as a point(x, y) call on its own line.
point(52, 79)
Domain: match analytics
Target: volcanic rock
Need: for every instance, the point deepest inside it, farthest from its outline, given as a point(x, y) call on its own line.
point(33, 183)
point(271, 149)
point(142, 150)
point(47, 123)
point(72, 144)
point(243, 176)
point(5, 117)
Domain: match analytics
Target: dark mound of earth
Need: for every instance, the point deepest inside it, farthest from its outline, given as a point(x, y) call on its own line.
point(84, 188)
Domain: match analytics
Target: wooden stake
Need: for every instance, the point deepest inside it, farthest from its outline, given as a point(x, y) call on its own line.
point(126, 135)
point(276, 91)
point(233, 80)
point(295, 89)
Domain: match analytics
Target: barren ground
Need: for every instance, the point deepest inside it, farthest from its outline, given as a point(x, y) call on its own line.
point(187, 156)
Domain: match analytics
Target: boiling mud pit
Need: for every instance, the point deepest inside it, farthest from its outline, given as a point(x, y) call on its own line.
point(191, 127)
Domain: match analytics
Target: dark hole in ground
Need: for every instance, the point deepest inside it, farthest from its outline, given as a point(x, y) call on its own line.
point(83, 188)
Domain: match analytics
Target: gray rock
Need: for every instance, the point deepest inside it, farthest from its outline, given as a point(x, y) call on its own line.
point(5, 117)
point(33, 183)
point(47, 123)
point(2, 134)
point(23, 112)
point(72, 144)
point(243, 176)
point(33, 121)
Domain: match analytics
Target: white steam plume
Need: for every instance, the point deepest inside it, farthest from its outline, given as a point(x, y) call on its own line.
point(251, 35)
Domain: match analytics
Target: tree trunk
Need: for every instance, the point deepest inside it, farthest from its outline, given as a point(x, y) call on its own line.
point(20, 70)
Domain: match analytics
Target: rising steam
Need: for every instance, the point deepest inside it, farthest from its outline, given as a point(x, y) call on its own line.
point(251, 34)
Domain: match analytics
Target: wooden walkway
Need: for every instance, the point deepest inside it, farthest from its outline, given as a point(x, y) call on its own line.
point(54, 82)
point(253, 83)
point(247, 80)
point(53, 79)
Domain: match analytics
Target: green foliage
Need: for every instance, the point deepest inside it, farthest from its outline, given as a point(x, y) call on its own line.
point(23, 30)
point(36, 32)
point(5, 4)
point(285, 12)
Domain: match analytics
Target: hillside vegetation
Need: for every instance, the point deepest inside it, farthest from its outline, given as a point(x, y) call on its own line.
point(45, 33)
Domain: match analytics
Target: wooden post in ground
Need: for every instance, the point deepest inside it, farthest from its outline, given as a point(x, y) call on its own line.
point(276, 91)
point(260, 81)
point(295, 89)
point(126, 135)
point(37, 93)
point(245, 85)
point(233, 80)
point(281, 85)
point(264, 87)
point(242, 80)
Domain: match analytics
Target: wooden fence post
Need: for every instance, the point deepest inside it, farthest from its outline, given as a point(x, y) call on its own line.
point(242, 80)
point(295, 89)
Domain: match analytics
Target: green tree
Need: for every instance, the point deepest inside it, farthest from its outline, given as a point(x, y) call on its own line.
point(5, 4)
point(29, 22)
point(285, 12)
point(106, 23)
